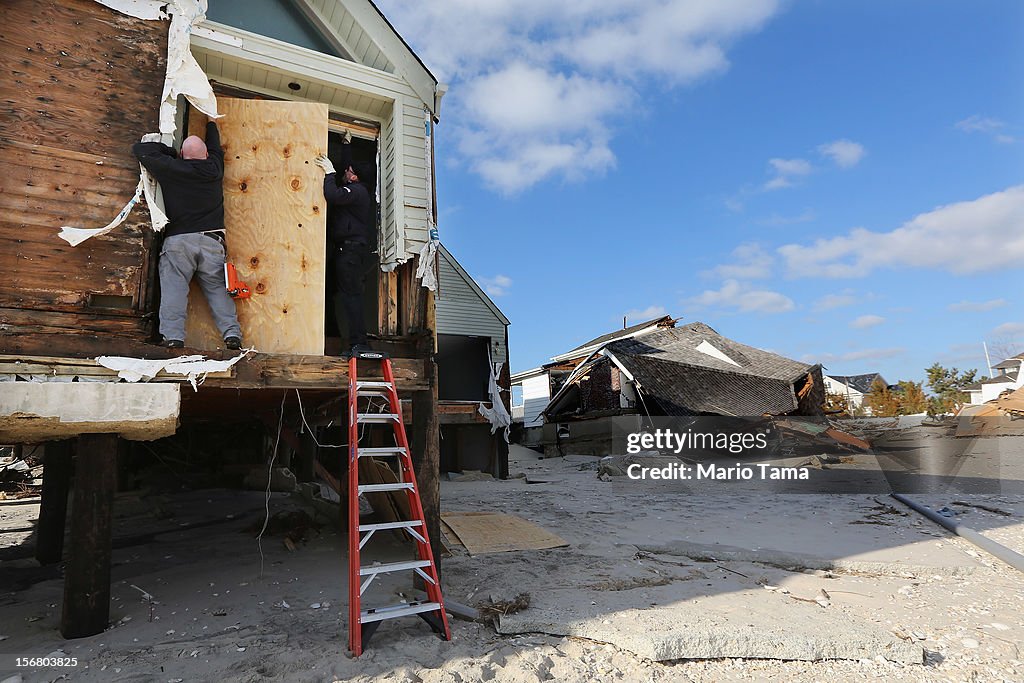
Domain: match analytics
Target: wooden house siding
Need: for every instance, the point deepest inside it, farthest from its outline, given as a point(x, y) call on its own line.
point(461, 310)
point(77, 89)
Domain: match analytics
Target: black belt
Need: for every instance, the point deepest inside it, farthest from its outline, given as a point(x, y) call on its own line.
point(215, 234)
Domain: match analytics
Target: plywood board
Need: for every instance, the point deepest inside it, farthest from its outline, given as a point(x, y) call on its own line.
point(495, 532)
point(276, 224)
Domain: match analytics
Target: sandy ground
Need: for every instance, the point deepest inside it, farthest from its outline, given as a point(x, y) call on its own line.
point(197, 602)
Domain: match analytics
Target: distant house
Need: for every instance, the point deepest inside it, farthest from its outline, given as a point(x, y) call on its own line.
point(472, 341)
point(678, 371)
point(1006, 377)
point(852, 387)
point(532, 389)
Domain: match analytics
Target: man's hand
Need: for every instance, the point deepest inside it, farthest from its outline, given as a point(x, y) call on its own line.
point(346, 137)
point(323, 162)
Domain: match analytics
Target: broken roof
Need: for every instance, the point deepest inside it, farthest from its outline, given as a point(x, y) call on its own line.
point(627, 332)
point(692, 369)
point(861, 383)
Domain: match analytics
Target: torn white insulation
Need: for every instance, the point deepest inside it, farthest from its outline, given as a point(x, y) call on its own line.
point(192, 368)
point(496, 414)
point(428, 259)
point(184, 77)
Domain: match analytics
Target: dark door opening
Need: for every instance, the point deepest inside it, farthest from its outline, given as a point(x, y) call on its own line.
point(335, 325)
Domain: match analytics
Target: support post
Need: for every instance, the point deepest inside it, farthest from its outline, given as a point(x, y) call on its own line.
point(426, 453)
point(87, 576)
point(54, 507)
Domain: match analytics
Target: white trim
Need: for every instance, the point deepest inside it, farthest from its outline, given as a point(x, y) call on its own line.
point(576, 353)
point(323, 27)
point(622, 368)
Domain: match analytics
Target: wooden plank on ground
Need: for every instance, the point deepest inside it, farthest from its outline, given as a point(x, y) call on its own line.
point(275, 217)
point(495, 532)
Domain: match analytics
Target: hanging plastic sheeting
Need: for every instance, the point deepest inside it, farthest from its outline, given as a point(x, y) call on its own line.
point(193, 368)
point(184, 77)
point(426, 273)
point(496, 414)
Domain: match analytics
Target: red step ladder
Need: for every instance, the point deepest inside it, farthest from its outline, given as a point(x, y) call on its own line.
point(363, 622)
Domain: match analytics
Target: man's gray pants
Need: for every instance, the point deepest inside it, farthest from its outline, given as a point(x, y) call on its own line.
point(202, 256)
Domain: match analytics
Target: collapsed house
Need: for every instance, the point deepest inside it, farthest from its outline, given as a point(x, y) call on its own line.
point(672, 371)
point(83, 81)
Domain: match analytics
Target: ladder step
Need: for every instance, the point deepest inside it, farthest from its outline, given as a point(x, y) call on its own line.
point(373, 385)
point(390, 525)
point(374, 488)
point(376, 418)
point(376, 452)
point(392, 567)
point(395, 611)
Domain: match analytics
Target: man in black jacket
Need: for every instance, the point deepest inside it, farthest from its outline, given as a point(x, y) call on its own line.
point(193, 243)
point(352, 234)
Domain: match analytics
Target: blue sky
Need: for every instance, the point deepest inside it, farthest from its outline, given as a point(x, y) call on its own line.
point(837, 181)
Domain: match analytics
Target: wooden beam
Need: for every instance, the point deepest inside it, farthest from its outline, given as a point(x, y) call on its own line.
point(87, 576)
point(54, 506)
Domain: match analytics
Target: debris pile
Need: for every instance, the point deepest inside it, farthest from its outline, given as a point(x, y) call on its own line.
point(19, 477)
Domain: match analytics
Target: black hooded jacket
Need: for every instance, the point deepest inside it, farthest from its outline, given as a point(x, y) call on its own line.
point(193, 189)
point(353, 207)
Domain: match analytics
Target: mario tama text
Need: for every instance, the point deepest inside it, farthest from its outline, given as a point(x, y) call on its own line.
point(718, 472)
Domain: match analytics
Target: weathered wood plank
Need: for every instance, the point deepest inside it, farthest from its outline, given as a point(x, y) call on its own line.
point(276, 224)
point(79, 83)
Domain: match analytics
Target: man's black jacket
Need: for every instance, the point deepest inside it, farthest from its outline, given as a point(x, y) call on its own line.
point(193, 189)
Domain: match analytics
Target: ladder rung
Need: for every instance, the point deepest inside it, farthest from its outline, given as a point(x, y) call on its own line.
point(373, 488)
point(390, 525)
point(393, 567)
point(375, 452)
point(395, 611)
point(373, 385)
point(376, 418)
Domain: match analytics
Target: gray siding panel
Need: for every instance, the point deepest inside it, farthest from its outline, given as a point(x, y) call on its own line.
point(461, 311)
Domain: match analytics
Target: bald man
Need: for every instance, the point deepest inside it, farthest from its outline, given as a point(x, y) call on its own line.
point(194, 238)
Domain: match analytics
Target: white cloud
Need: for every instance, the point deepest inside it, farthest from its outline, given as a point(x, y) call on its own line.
point(977, 306)
point(786, 171)
point(861, 355)
point(844, 153)
point(1008, 330)
point(832, 301)
point(751, 262)
point(634, 316)
point(866, 321)
point(980, 235)
point(744, 299)
point(537, 88)
point(979, 124)
point(497, 285)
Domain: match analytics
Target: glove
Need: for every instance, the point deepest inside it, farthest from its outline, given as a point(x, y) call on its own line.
point(323, 162)
point(151, 137)
point(346, 138)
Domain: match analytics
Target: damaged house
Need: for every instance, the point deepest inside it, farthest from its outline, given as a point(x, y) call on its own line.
point(689, 370)
point(83, 80)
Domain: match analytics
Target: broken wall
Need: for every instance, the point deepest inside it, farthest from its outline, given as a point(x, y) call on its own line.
point(80, 83)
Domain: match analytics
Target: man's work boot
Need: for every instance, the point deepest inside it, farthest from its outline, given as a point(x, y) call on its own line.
point(174, 344)
point(232, 343)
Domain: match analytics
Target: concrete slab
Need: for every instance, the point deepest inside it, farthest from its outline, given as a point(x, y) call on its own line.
point(31, 412)
point(678, 622)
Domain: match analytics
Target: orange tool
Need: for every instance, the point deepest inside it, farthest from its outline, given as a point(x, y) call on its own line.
point(236, 288)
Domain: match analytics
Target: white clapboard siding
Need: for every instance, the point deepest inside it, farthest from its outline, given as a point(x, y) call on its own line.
point(536, 394)
point(463, 308)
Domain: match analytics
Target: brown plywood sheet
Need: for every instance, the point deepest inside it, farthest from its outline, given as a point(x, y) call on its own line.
point(495, 532)
point(276, 224)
